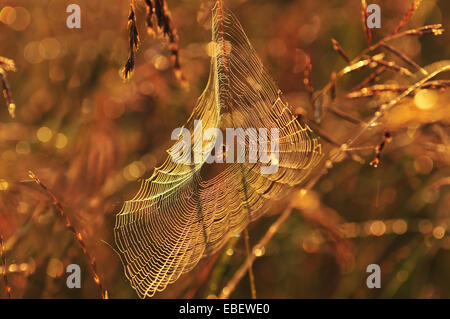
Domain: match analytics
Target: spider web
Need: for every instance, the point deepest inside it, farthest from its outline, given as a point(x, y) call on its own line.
point(179, 215)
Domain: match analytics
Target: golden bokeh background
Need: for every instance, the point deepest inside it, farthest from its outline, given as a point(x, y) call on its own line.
point(90, 137)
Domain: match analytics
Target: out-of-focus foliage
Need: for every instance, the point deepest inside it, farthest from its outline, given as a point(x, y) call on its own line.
point(89, 137)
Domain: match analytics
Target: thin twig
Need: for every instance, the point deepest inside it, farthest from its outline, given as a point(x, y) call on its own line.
point(379, 114)
point(133, 38)
point(405, 58)
point(250, 268)
point(323, 135)
point(374, 77)
point(389, 65)
point(5, 277)
point(350, 118)
point(338, 48)
point(407, 16)
point(389, 105)
point(307, 80)
point(149, 16)
point(378, 89)
point(365, 15)
point(165, 23)
point(217, 274)
point(231, 285)
point(434, 29)
point(77, 234)
point(357, 63)
point(5, 85)
point(387, 137)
